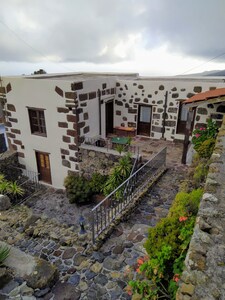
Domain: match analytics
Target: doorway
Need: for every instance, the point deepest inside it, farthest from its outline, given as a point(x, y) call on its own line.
point(43, 165)
point(109, 117)
point(144, 120)
point(182, 119)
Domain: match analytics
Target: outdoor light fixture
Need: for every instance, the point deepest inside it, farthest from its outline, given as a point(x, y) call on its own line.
point(81, 222)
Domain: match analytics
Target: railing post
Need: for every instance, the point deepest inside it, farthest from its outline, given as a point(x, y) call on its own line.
point(93, 226)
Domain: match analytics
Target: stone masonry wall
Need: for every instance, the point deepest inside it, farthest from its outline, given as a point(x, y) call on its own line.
point(96, 161)
point(131, 93)
point(204, 274)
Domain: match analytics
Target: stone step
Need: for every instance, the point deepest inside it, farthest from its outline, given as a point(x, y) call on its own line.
point(38, 273)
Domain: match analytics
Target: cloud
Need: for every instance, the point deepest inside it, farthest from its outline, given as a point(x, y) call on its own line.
point(109, 32)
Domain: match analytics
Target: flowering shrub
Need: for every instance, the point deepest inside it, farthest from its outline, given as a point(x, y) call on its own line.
point(157, 275)
point(204, 139)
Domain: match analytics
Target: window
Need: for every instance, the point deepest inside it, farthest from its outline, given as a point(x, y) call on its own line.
point(37, 121)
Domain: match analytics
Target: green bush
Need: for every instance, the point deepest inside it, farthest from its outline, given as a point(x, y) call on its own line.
point(4, 253)
point(10, 187)
point(97, 182)
point(200, 173)
point(205, 149)
point(78, 189)
point(204, 139)
point(167, 245)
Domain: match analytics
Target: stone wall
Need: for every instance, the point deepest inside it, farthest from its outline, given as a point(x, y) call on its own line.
point(97, 160)
point(165, 97)
point(8, 163)
point(204, 274)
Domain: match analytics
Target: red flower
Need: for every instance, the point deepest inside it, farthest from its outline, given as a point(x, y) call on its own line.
point(197, 135)
point(140, 261)
point(176, 277)
point(182, 219)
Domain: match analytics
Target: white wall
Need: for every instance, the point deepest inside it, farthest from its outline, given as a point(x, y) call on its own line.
point(39, 93)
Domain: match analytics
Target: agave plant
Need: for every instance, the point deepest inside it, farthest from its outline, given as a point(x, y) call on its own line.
point(4, 253)
point(2, 178)
point(15, 189)
point(4, 186)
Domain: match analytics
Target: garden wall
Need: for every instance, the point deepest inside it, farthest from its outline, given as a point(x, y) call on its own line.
point(95, 159)
point(8, 164)
point(204, 274)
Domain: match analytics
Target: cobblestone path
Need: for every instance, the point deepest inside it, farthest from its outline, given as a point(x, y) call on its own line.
point(101, 274)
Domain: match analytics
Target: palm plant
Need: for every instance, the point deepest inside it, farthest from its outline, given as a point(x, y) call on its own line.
point(4, 187)
point(120, 148)
point(4, 253)
point(118, 175)
point(15, 189)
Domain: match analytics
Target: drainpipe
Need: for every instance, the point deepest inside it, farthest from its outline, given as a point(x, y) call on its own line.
point(164, 115)
point(100, 113)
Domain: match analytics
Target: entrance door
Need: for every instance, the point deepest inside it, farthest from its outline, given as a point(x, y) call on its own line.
point(109, 117)
point(43, 165)
point(144, 120)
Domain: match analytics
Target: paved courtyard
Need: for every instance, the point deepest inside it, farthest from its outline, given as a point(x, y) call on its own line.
point(51, 233)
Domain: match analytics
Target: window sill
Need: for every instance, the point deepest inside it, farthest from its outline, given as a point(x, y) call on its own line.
point(39, 134)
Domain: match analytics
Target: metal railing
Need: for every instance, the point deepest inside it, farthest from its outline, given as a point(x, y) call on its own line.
point(103, 214)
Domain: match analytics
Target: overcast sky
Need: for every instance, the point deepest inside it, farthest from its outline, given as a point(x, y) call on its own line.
point(152, 37)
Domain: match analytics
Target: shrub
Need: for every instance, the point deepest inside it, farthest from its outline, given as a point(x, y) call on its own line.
point(78, 189)
point(204, 139)
point(205, 149)
point(97, 182)
point(4, 253)
point(167, 245)
point(10, 187)
point(200, 173)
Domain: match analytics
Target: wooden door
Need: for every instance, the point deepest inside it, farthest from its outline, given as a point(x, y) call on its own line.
point(144, 120)
point(109, 117)
point(43, 165)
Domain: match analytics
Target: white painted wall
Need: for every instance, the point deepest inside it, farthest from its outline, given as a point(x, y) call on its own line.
point(39, 93)
point(92, 108)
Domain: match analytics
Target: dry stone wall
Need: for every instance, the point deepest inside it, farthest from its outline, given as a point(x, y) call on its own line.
point(96, 161)
point(204, 274)
point(213, 111)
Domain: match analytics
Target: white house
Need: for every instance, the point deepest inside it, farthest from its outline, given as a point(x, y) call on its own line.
point(46, 116)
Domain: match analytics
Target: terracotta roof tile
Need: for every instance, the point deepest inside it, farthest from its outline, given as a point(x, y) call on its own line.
point(206, 95)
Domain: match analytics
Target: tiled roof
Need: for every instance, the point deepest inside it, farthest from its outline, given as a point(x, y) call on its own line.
point(206, 95)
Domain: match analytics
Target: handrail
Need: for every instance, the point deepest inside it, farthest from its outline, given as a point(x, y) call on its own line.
point(128, 179)
point(111, 206)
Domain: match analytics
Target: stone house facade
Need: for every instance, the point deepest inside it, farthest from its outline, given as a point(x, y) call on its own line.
point(48, 116)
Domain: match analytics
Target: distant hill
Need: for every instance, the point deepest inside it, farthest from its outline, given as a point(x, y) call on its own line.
point(209, 73)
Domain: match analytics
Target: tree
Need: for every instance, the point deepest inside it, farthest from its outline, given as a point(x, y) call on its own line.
point(40, 71)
